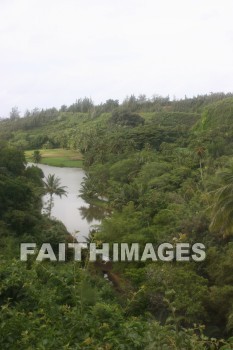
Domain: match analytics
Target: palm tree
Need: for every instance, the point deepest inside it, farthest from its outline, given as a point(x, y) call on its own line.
point(222, 212)
point(36, 156)
point(52, 186)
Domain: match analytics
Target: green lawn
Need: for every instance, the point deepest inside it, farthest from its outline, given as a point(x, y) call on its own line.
point(58, 157)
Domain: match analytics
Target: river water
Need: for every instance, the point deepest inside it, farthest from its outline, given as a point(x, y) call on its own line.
point(78, 217)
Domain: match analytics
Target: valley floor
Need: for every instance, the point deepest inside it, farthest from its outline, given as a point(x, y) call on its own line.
point(58, 157)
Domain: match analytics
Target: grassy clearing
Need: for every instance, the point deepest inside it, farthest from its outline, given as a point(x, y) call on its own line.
point(58, 157)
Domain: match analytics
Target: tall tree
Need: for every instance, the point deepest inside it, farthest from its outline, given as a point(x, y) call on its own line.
point(52, 186)
point(36, 156)
point(14, 113)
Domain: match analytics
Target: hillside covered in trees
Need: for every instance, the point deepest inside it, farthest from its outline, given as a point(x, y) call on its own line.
point(163, 172)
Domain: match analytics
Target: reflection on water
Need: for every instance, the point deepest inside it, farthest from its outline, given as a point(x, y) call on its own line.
point(92, 213)
point(66, 209)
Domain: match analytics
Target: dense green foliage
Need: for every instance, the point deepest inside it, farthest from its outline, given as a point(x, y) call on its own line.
point(163, 175)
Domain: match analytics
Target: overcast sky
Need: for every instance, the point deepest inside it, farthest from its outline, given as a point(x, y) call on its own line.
point(53, 52)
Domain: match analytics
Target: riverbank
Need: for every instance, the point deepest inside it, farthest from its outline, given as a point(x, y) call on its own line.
point(72, 210)
point(58, 157)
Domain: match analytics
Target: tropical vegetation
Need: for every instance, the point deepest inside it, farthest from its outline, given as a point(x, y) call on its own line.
point(162, 172)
